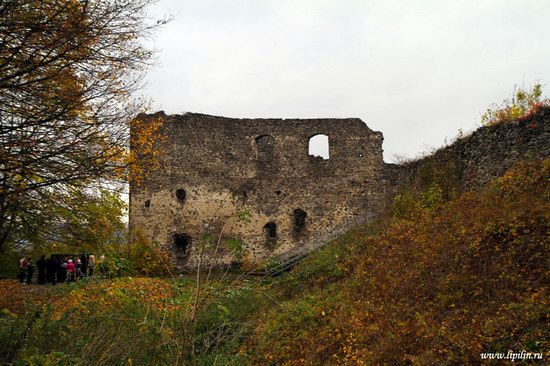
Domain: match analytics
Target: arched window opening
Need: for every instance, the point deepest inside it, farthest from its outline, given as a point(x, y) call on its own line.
point(147, 203)
point(182, 242)
point(299, 219)
point(181, 194)
point(266, 147)
point(271, 231)
point(319, 146)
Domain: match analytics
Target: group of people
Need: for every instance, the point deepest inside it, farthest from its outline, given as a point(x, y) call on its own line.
point(59, 268)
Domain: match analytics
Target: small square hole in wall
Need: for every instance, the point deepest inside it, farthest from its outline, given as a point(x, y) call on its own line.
point(147, 203)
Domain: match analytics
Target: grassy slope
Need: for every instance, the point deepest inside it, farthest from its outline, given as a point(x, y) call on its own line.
point(441, 278)
point(437, 282)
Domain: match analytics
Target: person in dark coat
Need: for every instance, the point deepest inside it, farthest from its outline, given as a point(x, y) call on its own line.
point(84, 262)
point(41, 265)
point(61, 270)
point(30, 271)
point(51, 268)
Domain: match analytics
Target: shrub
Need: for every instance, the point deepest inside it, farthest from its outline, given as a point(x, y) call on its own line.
point(146, 258)
point(522, 104)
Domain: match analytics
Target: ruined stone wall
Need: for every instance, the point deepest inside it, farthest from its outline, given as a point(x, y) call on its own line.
point(484, 155)
point(253, 181)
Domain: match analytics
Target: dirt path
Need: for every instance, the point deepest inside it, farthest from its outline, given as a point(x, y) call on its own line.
point(17, 297)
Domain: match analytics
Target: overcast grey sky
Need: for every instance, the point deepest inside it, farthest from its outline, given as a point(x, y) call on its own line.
point(418, 71)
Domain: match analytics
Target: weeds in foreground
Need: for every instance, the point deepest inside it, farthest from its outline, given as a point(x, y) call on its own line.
point(137, 321)
point(443, 278)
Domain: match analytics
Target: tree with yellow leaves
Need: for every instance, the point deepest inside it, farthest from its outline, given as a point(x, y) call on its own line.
point(68, 72)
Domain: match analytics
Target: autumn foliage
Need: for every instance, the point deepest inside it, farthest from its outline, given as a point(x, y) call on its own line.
point(143, 159)
point(437, 284)
point(146, 258)
point(438, 279)
point(69, 71)
point(523, 104)
point(104, 297)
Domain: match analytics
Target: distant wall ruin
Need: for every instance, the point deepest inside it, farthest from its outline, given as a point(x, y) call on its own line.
point(484, 154)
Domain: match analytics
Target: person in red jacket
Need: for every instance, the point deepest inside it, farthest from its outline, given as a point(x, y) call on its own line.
point(71, 269)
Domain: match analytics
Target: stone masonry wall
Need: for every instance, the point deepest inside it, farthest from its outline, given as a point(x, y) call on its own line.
point(484, 155)
point(253, 181)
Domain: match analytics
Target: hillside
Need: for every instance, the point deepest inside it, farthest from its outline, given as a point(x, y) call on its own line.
point(436, 282)
point(440, 278)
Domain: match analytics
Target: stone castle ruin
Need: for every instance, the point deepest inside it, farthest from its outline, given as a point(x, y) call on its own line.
point(229, 191)
point(253, 181)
